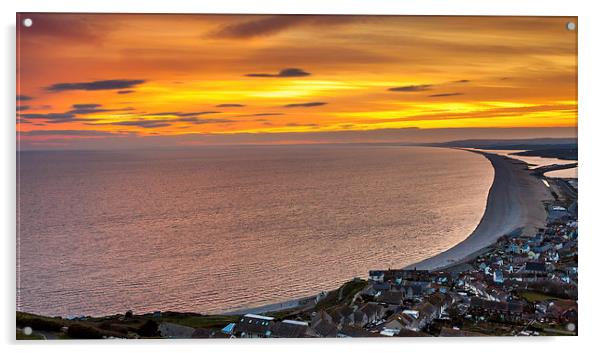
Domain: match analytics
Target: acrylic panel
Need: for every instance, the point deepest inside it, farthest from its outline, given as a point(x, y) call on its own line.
point(292, 176)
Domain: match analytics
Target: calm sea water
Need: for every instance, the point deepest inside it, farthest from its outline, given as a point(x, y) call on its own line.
point(221, 228)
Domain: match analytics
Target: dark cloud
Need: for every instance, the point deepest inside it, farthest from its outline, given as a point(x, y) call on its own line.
point(308, 104)
point(155, 123)
point(412, 88)
point(21, 108)
point(86, 106)
point(258, 114)
point(259, 27)
point(230, 105)
point(21, 97)
point(182, 114)
point(289, 72)
point(94, 85)
point(126, 91)
point(72, 115)
point(143, 123)
point(67, 133)
point(54, 118)
point(198, 121)
point(461, 81)
point(198, 113)
point(84, 109)
point(446, 94)
point(265, 26)
point(297, 124)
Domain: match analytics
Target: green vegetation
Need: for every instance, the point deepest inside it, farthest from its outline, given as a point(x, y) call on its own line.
point(84, 332)
point(41, 323)
point(149, 329)
point(534, 297)
point(198, 320)
point(343, 295)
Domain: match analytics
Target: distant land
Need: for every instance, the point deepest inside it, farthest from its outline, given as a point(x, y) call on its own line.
point(561, 148)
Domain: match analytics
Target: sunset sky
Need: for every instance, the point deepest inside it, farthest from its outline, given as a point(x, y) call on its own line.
point(87, 81)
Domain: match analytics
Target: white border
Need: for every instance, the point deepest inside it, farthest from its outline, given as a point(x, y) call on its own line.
point(590, 25)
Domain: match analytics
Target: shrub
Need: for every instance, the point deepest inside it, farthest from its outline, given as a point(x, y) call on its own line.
point(38, 323)
point(83, 331)
point(148, 329)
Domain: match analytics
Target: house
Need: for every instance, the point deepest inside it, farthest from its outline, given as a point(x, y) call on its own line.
point(557, 214)
point(254, 326)
point(535, 267)
point(412, 275)
point(510, 310)
point(323, 325)
point(353, 331)
point(440, 301)
point(360, 318)
point(343, 315)
point(498, 276)
point(289, 329)
point(524, 248)
point(414, 290)
point(229, 329)
point(391, 298)
point(376, 276)
point(374, 312)
point(427, 312)
point(533, 255)
point(380, 287)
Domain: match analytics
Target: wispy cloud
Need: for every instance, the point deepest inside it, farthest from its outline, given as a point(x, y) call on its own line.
point(411, 88)
point(290, 72)
point(182, 114)
point(69, 133)
point(142, 123)
point(94, 85)
point(71, 115)
point(198, 121)
point(446, 94)
point(258, 114)
point(266, 26)
point(54, 118)
point(21, 97)
point(304, 105)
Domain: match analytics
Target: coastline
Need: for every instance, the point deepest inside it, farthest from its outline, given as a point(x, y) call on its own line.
point(514, 204)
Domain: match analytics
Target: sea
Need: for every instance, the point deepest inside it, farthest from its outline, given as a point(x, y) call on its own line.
point(216, 229)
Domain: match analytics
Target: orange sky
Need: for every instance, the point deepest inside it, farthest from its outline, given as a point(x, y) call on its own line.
point(127, 77)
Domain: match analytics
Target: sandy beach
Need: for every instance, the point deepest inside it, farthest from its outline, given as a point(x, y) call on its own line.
point(515, 203)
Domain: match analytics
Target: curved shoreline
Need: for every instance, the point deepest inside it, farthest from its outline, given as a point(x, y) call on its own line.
point(514, 203)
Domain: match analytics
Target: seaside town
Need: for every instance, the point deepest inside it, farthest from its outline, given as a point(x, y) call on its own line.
point(523, 285)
